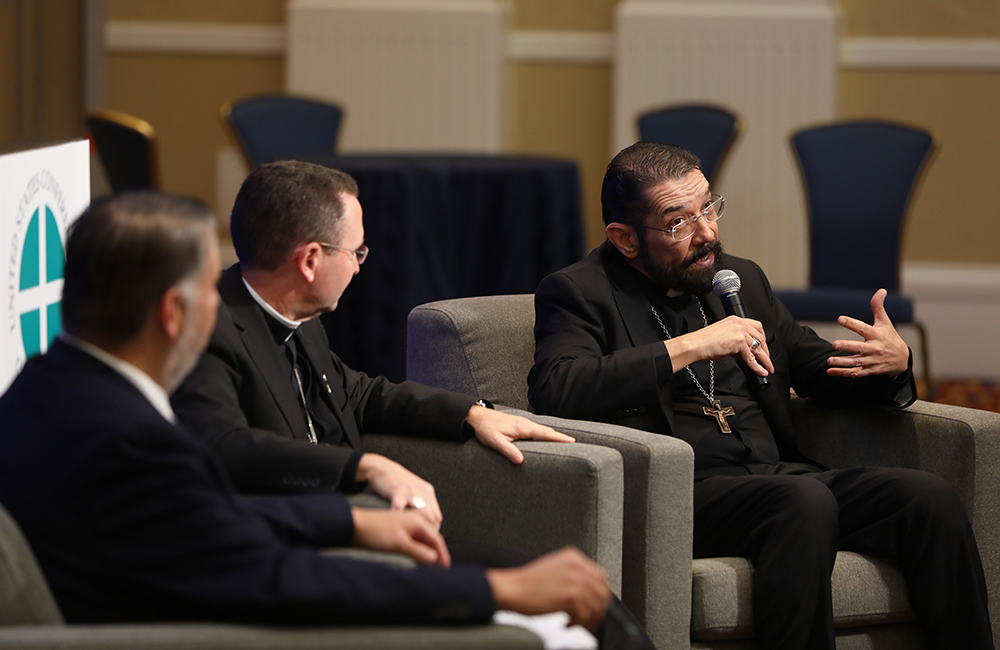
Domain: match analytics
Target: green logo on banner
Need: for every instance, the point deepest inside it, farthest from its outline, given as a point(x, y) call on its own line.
point(42, 262)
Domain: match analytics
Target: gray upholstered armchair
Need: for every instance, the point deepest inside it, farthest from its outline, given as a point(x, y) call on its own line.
point(485, 346)
point(30, 620)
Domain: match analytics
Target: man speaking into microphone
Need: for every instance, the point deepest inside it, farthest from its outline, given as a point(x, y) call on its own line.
point(634, 335)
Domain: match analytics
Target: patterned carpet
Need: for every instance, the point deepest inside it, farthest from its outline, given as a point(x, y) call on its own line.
point(977, 394)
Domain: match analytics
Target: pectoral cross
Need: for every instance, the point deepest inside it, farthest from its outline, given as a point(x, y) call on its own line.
point(719, 413)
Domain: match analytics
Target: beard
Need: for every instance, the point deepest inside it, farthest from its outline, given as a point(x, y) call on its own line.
point(682, 278)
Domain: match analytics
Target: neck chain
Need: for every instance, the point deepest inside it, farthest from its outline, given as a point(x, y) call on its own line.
point(716, 410)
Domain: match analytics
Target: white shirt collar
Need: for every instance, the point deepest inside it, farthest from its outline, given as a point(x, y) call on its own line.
point(151, 390)
point(291, 324)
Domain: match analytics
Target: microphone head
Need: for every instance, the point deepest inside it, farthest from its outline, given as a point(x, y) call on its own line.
point(725, 282)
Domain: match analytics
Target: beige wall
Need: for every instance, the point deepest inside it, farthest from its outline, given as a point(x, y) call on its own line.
point(950, 18)
point(8, 97)
point(954, 212)
point(40, 74)
point(565, 109)
point(180, 96)
point(216, 11)
point(578, 15)
point(557, 109)
point(954, 215)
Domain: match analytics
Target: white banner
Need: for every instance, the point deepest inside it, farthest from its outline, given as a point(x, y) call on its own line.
point(42, 191)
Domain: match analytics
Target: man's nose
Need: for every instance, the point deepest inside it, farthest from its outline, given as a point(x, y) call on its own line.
point(703, 230)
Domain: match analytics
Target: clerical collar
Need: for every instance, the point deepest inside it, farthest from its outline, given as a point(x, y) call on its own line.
point(145, 384)
point(657, 294)
point(271, 311)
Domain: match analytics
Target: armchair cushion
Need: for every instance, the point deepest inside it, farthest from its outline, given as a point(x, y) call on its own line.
point(866, 591)
point(188, 636)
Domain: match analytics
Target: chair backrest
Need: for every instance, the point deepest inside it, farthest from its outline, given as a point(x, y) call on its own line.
point(25, 598)
point(707, 131)
point(281, 127)
point(482, 346)
point(859, 177)
point(126, 146)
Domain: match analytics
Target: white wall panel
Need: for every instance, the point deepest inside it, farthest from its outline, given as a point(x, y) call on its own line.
point(775, 63)
point(411, 74)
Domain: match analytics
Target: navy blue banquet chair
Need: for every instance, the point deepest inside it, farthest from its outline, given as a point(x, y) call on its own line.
point(707, 131)
point(859, 177)
point(282, 127)
point(126, 146)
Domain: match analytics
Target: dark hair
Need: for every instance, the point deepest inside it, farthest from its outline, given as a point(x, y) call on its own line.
point(123, 254)
point(636, 169)
point(285, 204)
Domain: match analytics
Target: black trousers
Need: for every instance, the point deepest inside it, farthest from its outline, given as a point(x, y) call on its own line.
point(791, 526)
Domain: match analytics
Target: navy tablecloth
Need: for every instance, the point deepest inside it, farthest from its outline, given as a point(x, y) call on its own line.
point(442, 226)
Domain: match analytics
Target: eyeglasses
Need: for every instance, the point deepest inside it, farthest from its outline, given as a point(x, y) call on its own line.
point(361, 254)
point(683, 227)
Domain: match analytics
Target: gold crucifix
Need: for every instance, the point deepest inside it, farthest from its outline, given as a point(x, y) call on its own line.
point(719, 413)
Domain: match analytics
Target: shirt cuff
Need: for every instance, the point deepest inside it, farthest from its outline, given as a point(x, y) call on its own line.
point(467, 429)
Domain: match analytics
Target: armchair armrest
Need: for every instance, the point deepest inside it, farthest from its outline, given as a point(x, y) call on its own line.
point(959, 444)
point(180, 636)
point(658, 522)
point(562, 494)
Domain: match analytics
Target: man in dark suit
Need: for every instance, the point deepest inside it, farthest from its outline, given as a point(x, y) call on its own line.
point(132, 518)
point(282, 411)
point(634, 335)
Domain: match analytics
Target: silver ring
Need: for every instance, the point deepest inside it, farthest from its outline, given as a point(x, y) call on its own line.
point(418, 503)
point(754, 344)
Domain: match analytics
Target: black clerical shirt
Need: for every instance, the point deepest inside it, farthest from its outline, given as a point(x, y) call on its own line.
point(750, 447)
point(324, 422)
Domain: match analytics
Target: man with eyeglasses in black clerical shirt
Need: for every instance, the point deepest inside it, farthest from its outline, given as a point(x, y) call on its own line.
point(282, 411)
point(634, 335)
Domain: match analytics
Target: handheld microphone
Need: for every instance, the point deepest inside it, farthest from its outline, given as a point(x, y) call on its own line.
point(726, 284)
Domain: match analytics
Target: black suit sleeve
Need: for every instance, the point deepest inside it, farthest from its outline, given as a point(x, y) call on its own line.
point(179, 532)
point(408, 408)
point(577, 372)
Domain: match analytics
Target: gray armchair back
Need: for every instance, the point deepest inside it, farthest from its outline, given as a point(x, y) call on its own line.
point(481, 346)
point(485, 346)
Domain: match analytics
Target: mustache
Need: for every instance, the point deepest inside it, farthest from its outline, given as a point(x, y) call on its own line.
point(701, 252)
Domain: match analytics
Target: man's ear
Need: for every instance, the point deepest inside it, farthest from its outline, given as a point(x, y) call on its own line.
point(306, 260)
point(171, 313)
point(624, 239)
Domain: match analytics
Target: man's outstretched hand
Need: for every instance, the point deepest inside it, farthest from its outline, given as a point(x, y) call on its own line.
point(883, 351)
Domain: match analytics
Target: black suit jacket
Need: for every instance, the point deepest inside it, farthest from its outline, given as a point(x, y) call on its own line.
point(599, 353)
point(132, 518)
point(240, 400)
